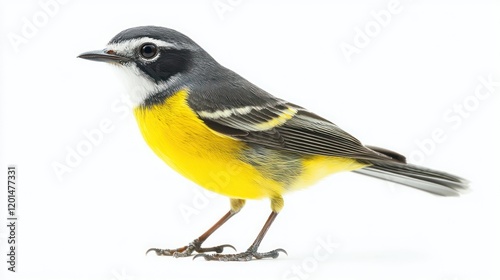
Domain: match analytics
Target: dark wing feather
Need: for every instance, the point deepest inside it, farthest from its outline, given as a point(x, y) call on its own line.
point(288, 127)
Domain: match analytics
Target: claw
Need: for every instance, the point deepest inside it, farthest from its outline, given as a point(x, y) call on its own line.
point(200, 255)
point(156, 250)
point(226, 246)
point(280, 251)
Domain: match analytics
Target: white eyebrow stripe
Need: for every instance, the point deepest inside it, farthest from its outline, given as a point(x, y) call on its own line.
point(128, 47)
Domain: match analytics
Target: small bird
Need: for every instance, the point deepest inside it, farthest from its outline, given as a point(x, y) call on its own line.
point(231, 137)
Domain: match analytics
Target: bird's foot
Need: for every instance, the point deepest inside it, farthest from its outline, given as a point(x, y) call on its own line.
point(240, 257)
point(188, 250)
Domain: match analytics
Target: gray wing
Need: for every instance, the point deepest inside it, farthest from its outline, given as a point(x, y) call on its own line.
point(285, 126)
point(230, 105)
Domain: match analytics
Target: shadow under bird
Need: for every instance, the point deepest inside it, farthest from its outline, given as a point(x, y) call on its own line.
point(205, 121)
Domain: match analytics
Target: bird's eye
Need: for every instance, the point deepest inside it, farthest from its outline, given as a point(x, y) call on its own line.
point(148, 50)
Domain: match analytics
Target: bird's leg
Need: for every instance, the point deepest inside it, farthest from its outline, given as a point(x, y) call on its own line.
point(195, 246)
point(251, 253)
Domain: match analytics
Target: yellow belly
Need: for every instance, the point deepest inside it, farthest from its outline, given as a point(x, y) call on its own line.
point(213, 161)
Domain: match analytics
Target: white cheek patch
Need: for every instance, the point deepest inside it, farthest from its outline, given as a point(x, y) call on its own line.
point(139, 85)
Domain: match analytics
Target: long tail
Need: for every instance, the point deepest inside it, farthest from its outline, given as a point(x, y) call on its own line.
point(425, 179)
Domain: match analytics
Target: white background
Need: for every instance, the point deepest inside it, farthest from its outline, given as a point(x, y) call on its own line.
point(97, 221)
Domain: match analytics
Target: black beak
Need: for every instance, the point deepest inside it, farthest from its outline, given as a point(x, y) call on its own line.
point(104, 56)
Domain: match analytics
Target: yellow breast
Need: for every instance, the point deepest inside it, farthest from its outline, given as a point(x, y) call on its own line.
point(223, 164)
point(184, 142)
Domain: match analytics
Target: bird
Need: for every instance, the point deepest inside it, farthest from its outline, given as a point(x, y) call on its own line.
point(231, 137)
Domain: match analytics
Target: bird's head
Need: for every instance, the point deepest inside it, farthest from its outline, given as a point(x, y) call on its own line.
point(152, 59)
